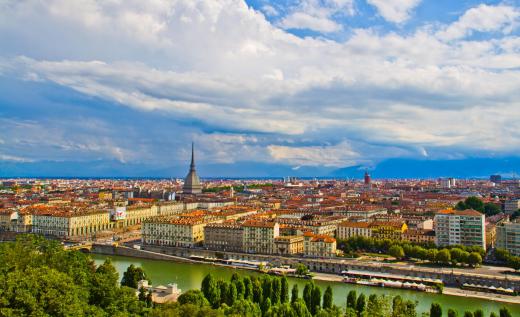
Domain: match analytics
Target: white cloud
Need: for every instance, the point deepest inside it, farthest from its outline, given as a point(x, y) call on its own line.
point(396, 11)
point(221, 65)
point(484, 18)
point(337, 155)
point(317, 15)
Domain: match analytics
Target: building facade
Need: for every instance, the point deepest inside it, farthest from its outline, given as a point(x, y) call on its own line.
point(460, 227)
point(259, 236)
point(508, 237)
point(226, 236)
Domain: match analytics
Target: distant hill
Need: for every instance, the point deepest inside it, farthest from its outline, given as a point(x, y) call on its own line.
point(392, 168)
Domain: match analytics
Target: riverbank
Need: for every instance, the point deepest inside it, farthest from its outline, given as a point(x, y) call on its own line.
point(318, 276)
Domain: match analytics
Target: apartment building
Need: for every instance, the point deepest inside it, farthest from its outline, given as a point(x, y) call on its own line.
point(173, 231)
point(510, 206)
point(349, 229)
point(289, 245)
point(460, 227)
point(316, 245)
point(508, 237)
point(392, 230)
point(259, 236)
point(226, 236)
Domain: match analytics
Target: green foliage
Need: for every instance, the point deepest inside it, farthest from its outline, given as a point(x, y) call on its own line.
point(294, 293)
point(195, 297)
point(302, 269)
point(284, 294)
point(478, 313)
point(132, 276)
point(211, 290)
point(471, 203)
point(316, 300)
point(504, 312)
point(443, 256)
point(361, 304)
point(39, 278)
point(396, 251)
point(435, 310)
point(452, 313)
point(351, 299)
point(474, 259)
point(327, 298)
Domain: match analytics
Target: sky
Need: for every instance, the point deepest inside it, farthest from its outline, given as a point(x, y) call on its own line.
point(305, 84)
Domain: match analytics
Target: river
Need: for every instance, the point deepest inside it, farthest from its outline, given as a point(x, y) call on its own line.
point(189, 276)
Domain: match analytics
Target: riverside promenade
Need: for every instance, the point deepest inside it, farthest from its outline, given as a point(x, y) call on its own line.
point(487, 276)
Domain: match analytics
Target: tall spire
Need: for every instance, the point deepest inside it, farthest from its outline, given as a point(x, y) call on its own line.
point(192, 165)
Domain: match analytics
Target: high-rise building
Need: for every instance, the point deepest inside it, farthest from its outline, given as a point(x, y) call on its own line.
point(460, 227)
point(192, 182)
point(508, 237)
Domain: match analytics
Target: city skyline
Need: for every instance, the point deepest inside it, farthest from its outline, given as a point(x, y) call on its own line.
point(305, 88)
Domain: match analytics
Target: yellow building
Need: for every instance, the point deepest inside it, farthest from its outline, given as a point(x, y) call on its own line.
point(388, 229)
point(289, 245)
point(179, 232)
point(316, 245)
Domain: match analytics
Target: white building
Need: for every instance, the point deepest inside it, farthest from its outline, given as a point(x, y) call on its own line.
point(460, 227)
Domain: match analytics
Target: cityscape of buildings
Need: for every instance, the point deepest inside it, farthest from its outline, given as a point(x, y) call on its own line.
point(280, 216)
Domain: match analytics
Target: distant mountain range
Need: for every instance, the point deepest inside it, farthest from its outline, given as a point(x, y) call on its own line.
point(392, 168)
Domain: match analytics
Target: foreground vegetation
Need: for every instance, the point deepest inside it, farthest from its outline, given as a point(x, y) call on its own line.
point(39, 278)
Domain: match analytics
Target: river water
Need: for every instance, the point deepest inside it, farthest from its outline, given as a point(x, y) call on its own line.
point(189, 276)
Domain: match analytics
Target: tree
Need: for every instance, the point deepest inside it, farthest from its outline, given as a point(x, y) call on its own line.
point(284, 295)
point(300, 308)
point(504, 312)
point(468, 314)
point(378, 306)
point(302, 269)
point(351, 299)
point(452, 313)
point(267, 288)
point(316, 300)
point(403, 308)
point(307, 295)
point(244, 308)
point(327, 298)
point(194, 297)
point(361, 304)
point(276, 293)
point(474, 259)
point(491, 209)
point(435, 310)
point(493, 314)
point(266, 305)
point(443, 256)
point(396, 251)
point(248, 288)
point(294, 293)
point(474, 203)
point(211, 290)
point(231, 294)
point(431, 255)
point(478, 313)
point(132, 276)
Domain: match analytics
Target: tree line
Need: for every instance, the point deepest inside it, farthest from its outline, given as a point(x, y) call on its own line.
point(451, 255)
